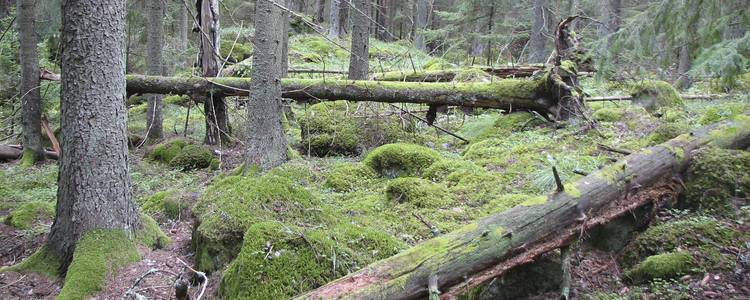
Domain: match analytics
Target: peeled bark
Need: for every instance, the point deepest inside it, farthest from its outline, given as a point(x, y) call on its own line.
point(490, 247)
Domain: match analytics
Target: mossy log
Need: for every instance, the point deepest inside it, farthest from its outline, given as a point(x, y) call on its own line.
point(504, 94)
point(490, 247)
point(13, 152)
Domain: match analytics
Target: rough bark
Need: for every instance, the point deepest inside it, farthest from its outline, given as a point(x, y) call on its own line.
point(266, 143)
point(215, 109)
point(486, 249)
point(687, 51)
point(155, 37)
point(505, 94)
point(419, 41)
point(94, 188)
point(359, 62)
point(538, 51)
point(333, 20)
point(319, 9)
point(381, 31)
point(183, 27)
point(31, 99)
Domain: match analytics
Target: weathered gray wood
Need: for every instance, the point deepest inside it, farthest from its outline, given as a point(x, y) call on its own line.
point(488, 248)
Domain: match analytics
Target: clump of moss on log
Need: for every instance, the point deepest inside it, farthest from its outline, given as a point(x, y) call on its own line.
point(667, 131)
point(30, 215)
point(716, 178)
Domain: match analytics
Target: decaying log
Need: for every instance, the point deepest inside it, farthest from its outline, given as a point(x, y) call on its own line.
point(506, 94)
point(13, 152)
point(686, 97)
point(488, 248)
point(449, 74)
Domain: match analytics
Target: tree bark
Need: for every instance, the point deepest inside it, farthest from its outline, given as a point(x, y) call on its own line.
point(215, 109)
point(155, 40)
point(508, 94)
point(537, 40)
point(333, 20)
point(419, 41)
point(359, 62)
point(266, 143)
point(382, 29)
point(486, 249)
point(31, 99)
point(94, 188)
point(319, 9)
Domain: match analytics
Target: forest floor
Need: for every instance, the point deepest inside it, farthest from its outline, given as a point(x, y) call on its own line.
point(157, 271)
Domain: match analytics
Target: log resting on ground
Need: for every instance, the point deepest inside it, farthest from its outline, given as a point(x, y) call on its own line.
point(506, 94)
point(488, 248)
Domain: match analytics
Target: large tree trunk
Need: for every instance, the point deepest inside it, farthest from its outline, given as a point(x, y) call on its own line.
point(359, 62)
point(94, 188)
point(215, 109)
point(155, 40)
point(266, 143)
point(508, 94)
point(31, 99)
point(486, 249)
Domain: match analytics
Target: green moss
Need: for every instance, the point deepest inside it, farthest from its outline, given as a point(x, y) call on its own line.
point(654, 95)
point(214, 165)
point(182, 100)
point(451, 170)
point(192, 157)
point(400, 159)
point(662, 266)
point(712, 115)
point(279, 261)
point(172, 203)
point(99, 253)
point(30, 215)
point(349, 177)
point(418, 192)
point(716, 176)
point(608, 115)
point(239, 52)
point(472, 75)
point(226, 209)
point(685, 234)
point(150, 235)
point(436, 64)
point(167, 151)
point(138, 109)
point(674, 115)
point(667, 132)
point(535, 201)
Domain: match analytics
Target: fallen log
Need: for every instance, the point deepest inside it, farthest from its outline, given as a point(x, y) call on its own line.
point(686, 97)
point(13, 152)
point(488, 248)
point(505, 94)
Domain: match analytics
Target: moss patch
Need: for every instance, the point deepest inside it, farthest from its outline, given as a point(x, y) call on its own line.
point(715, 177)
point(712, 115)
point(654, 94)
point(30, 215)
point(349, 177)
point(607, 114)
point(227, 209)
point(418, 192)
point(192, 157)
point(172, 203)
point(667, 131)
point(280, 260)
point(98, 253)
point(165, 152)
point(400, 159)
point(662, 266)
point(150, 235)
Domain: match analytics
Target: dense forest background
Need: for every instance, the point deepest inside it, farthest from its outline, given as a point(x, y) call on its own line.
point(354, 183)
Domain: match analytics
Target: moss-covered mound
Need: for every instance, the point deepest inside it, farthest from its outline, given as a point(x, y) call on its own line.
point(607, 114)
point(30, 215)
point(508, 123)
point(654, 95)
point(172, 203)
point(165, 152)
point(716, 177)
point(400, 159)
point(192, 157)
point(701, 235)
point(417, 192)
point(349, 177)
point(150, 235)
point(712, 115)
point(279, 260)
point(227, 209)
point(234, 52)
point(99, 253)
point(662, 266)
point(451, 170)
point(667, 131)
point(345, 128)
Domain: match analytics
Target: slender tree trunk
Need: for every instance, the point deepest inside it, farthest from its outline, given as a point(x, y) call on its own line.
point(5, 6)
point(333, 28)
point(183, 27)
point(215, 110)
point(419, 41)
point(320, 6)
point(344, 16)
point(94, 188)
point(382, 28)
point(610, 14)
point(537, 40)
point(266, 143)
point(687, 51)
point(30, 95)
point(155, 42)
point(359, 62)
